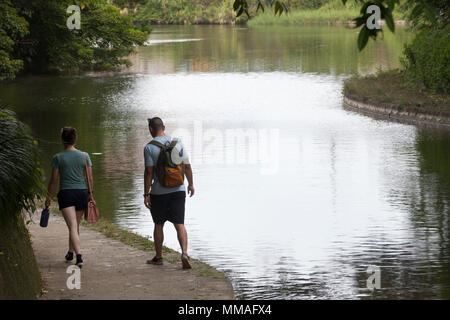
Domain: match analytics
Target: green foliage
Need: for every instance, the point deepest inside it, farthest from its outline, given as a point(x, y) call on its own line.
point(34, 34)
point(20, 175)
point(186, 12)
point(128, 3)
point(427, 13)
point(329, 13)
point(20, 278)
point(105, 38)
point(422, 12)
point(242, 6)
point(427, 60)
point(12, 29)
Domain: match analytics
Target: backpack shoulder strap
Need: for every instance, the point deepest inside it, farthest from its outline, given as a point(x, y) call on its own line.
point(158, 144)
point(173, 143)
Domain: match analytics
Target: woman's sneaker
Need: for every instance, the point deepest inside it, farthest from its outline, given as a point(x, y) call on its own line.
point(69, 256)
point(185, 260)
point(155, 260)
point(79, 262)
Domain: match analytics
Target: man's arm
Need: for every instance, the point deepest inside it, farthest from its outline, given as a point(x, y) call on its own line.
point(188, 173)
point(148, 178)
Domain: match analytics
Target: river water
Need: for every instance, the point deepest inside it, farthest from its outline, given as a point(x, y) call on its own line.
point(296, 197)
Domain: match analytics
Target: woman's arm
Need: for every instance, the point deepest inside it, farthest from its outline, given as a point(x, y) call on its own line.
point(91, 178)
point(51, 186)
point(91, 181)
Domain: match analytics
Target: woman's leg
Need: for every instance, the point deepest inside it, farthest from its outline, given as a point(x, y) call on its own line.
point(70, 216)
point(79, 216)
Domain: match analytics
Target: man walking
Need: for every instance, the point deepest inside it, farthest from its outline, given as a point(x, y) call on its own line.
point(166, 199)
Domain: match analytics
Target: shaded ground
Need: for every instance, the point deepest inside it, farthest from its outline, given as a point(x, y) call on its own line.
point(114, 270)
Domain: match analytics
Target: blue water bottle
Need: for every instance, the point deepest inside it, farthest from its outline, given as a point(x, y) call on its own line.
point(44, 217)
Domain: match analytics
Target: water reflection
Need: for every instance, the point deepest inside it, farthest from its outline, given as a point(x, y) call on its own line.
point(319, 49)
point(343, 192)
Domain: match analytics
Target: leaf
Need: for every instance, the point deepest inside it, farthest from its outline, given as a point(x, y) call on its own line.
point(236, 4)
point(284, 7)
point(391, 4)
point(278, 8)
point(417, 11)
point(241, 10)
point(430, 13)
point(363, 37)
point(359, 21)
point(389, 20)
point(260, 6)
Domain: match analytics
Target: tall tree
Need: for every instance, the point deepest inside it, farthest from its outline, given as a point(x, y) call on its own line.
point(38, 38)
point(12, 29)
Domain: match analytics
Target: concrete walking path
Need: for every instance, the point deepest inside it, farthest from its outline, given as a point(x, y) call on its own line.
point(114, 270)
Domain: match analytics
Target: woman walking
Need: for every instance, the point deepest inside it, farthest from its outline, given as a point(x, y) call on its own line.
point(73, 196)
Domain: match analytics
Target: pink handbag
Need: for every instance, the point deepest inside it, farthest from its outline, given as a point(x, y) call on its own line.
point(91, 214)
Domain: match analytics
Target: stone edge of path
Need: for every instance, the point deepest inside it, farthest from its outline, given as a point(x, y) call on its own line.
point(396, 113)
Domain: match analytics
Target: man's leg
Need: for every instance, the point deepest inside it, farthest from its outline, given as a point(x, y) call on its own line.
point(182, 239)
point(182, 236)
point(158, 236)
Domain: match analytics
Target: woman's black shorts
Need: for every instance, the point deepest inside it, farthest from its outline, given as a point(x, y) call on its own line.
point(168, 206)
point(77, 198)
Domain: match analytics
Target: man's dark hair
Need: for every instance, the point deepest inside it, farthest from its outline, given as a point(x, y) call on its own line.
point(69, 135)
point(156, 124)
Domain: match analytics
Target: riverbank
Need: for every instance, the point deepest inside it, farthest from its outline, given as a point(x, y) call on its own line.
point(388, 94)
point(115, 266)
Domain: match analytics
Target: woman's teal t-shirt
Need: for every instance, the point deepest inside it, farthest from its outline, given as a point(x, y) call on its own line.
point(71, 164)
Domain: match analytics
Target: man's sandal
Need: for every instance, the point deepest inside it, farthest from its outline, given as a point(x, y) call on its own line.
point(185, 261)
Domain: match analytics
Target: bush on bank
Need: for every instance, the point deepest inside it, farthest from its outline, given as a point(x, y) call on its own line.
point(427, 60)
point(20, 185)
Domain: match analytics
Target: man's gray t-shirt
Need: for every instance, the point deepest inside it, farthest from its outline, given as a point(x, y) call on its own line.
point(151, 154)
